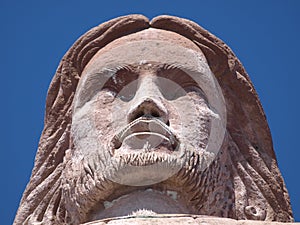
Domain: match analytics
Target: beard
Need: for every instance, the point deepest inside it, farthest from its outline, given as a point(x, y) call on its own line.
point(96, 172)
point(95, 178)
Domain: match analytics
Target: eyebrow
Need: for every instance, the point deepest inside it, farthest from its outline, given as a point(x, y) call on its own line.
point(184, 68)
point(172, 66)
point(109, 71)
point(89, 85)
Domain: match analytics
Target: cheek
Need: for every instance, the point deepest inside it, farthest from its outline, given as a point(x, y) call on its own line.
point(83, 135)
point(196, 128)
point(102, 116)
point(192, 120)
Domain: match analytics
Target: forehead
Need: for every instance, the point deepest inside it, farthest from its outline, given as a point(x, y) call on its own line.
point(151, 45)
point(152, 34)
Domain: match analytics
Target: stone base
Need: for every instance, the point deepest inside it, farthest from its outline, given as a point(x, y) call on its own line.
point(178, 220)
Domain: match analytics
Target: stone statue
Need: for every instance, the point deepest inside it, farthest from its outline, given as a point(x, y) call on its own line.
point(149, 118)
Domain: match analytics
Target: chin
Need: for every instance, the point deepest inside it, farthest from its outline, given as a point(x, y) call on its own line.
point(133, 178)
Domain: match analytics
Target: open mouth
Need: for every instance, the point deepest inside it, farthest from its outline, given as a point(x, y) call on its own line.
point(145, 134)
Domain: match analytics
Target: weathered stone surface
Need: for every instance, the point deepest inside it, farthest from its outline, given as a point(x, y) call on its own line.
point(158, 116)
point(182, 220)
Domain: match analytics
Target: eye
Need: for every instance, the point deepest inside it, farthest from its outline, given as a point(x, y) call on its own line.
point(174, 93)
point(175, 83)
point(193, 90)
point(128, 91)
point(169, 89)
point(122, 84)
point(190, 90)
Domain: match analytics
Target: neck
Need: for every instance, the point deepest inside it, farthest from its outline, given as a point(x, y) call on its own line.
point(142, 203)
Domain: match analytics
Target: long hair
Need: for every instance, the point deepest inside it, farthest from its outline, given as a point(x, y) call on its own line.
point(254, 170)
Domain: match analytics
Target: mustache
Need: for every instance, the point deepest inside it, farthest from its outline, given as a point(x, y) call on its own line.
point(147, 126)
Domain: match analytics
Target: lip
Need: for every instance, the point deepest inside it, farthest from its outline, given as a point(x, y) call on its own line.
point(145, 130)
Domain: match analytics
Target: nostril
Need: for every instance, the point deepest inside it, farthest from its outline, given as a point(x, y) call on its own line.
point(150, 109)
point(138, 115)
point(155, 114)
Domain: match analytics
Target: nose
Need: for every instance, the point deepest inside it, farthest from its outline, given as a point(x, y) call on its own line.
point(148, 103)
point(149, 108)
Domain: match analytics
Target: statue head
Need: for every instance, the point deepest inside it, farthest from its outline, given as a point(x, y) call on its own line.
point(153, 115)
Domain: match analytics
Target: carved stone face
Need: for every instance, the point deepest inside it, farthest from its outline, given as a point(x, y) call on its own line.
point(147, 121)
point(144, 104)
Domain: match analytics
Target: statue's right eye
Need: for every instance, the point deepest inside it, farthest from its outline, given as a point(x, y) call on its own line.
point(128, 91)
point(122, 84)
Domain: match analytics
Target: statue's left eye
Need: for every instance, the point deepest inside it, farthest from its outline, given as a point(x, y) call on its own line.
point(196, 91)
point(175, 83)
point(188, 89)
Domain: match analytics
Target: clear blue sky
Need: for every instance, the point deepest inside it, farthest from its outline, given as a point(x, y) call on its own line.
point(35, 35)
